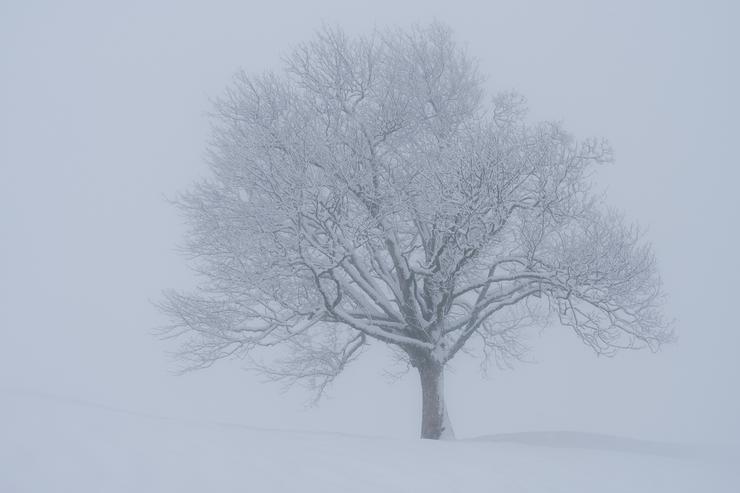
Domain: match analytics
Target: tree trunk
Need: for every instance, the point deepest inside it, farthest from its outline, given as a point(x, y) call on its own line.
point(435, 424)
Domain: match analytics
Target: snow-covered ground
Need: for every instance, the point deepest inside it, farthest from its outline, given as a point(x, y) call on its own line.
point(55, 445)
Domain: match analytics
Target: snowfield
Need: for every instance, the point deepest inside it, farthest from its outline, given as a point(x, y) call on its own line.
point(49, 445)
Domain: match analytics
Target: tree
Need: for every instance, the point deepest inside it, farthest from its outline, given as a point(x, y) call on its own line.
point(369, 192)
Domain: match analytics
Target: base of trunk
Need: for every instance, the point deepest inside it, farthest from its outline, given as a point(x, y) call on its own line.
point(435, 423)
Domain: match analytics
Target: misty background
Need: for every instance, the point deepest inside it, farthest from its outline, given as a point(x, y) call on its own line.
point(103, 117)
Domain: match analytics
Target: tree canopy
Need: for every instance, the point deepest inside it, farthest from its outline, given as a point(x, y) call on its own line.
point(371, 190)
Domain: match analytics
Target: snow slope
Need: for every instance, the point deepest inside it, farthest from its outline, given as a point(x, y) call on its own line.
point(53, 445)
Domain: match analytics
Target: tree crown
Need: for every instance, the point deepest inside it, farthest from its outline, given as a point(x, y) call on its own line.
point(371, 192)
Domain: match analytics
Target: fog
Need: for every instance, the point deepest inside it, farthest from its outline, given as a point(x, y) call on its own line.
point(103, 118)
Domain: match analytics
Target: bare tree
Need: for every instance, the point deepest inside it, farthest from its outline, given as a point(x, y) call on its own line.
point(368, 192)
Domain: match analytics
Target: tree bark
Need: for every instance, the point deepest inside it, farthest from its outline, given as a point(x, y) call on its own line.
point(435, 423)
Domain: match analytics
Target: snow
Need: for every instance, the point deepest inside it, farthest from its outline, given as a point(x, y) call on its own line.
point(54, 445)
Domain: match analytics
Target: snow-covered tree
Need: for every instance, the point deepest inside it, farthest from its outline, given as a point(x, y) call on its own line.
point(372, 192)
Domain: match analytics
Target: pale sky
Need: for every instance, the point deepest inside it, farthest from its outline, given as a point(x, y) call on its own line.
point(102, 117)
